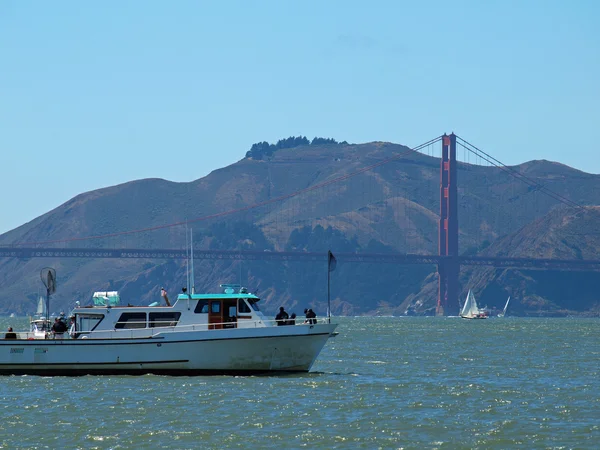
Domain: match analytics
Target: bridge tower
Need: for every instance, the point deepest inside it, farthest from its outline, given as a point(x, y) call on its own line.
point(448, 267)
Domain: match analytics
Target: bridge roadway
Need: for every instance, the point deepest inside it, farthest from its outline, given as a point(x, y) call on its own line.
point(394, 258)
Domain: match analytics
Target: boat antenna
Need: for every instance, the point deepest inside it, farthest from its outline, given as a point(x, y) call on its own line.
point(48, 276)
point(192, 254)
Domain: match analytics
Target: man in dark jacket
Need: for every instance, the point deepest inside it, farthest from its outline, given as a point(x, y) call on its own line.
point(311, 317)
point(282, 317)
point(59, 328)
point(10, 334)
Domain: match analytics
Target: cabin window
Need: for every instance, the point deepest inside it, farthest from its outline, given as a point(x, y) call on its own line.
point(89, 322)
point(130, 320)
point(163, 319)
point(215, 307)
point(254, 304)
point(232, 312)
point(243, 307)
point(201, 307)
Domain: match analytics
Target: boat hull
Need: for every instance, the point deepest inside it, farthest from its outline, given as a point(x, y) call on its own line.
point(234, 351)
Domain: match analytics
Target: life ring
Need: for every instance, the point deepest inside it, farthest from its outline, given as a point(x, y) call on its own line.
point(30, 339)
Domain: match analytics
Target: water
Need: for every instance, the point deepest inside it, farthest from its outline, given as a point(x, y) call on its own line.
point(382, 383)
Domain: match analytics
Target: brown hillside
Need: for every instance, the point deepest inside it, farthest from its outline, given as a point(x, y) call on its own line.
point(564, 233)
point(394, 206)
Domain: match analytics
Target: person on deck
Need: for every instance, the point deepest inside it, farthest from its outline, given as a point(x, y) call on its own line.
point(163, 294)
point(282, 317)
point(311, 317)
point(292, 320)
point(72, 327)
point(10, 334)
point(59, 328)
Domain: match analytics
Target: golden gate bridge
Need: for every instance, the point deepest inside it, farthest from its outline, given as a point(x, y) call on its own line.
point(448, 258)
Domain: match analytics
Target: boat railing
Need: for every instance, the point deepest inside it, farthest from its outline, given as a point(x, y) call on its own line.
point(297, 321)
point(149, 332)
point(35, 335)
point(179, 328)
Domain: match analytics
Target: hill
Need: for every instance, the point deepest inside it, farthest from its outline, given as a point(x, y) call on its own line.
point(393, 207)
point(564, 233)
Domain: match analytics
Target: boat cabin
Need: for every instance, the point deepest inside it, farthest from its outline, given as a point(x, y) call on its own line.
point(233, 308)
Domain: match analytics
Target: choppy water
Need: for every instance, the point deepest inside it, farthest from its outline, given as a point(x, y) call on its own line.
point(382, 383)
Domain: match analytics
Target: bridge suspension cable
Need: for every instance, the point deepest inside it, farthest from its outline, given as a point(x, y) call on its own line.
point(242, 209)
point(516, 174)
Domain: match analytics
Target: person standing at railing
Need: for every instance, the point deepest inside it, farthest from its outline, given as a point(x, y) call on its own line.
point(59, 328)
point(292, 320)
point(281, 317)
point(311, 317)
point(10, 334)
point(72, 327)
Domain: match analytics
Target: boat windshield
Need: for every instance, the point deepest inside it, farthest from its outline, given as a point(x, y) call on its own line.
point(88, 322)
point(254, 304)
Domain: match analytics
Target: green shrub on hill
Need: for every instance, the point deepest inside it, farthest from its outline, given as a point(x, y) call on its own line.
point(264, 149)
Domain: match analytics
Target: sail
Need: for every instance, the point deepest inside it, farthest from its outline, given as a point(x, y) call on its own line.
point(466, 305)
point(474, 308)
point(506, 306)
point(41, 307)
point(470, 308)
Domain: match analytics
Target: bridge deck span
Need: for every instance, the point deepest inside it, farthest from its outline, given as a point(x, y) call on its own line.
point(393, 258)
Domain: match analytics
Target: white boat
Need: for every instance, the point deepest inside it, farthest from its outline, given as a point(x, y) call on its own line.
point(224, 333)
point(40, 326)
point(470, 310)
point(503, 313)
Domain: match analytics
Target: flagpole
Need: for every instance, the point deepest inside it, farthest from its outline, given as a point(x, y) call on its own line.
point(192, 256)
point(328, 286)
point(328, 297)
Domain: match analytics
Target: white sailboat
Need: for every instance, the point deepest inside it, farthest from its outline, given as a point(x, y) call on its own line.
point(39, 324)
point(470, 309)
point(503, 313)
point(41, 307)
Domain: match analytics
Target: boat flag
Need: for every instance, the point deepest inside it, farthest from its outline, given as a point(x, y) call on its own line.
point(331, 261)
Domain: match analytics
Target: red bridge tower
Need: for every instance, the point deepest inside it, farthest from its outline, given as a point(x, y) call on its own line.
point(449, 267)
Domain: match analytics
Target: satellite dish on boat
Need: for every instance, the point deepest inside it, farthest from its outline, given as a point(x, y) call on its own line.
point(48, 276)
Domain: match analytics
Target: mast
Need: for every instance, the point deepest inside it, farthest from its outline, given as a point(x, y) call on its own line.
point(187, 259)
point(192, 254)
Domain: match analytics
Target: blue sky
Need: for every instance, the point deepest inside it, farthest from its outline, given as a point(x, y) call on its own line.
point(94, 94)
